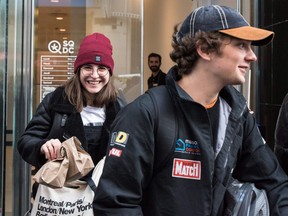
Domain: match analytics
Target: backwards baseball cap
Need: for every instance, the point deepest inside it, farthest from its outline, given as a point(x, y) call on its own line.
point(95, 49)
point(225, 20)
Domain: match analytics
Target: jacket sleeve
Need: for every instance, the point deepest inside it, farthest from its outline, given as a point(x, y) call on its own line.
point(35, 134)
point(258, 164)
point(129, 161)
point(281, 135)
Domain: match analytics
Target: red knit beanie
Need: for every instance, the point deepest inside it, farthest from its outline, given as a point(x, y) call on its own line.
point(95, 49)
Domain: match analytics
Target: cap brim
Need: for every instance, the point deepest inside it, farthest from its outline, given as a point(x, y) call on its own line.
point(257, 36)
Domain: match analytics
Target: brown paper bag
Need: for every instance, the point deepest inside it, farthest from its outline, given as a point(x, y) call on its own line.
point(54, 172)
point(73, 163)
point(80, 162)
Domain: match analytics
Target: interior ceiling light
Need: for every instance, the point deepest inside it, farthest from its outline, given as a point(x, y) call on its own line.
point(62, 30)
point(54, 1)
point(59, 18)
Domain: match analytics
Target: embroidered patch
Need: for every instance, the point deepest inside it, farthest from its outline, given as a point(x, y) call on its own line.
point(119, 138)
point(187, 147)
point(188, 169)
point(115, 152)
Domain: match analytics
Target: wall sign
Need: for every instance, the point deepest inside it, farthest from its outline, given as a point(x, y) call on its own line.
point(57, 68)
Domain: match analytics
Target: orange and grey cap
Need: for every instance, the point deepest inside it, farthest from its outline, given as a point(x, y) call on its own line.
point(225, 20)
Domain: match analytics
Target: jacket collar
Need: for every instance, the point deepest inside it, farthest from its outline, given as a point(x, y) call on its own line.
point(232, 96)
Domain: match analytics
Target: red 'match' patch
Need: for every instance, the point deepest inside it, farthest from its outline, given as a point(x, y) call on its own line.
point(188, 169)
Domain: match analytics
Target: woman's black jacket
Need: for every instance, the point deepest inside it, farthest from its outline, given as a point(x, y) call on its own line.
point(56, 118)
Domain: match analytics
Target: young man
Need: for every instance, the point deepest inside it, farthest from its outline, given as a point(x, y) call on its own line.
point(157, 77)
point(214, 136)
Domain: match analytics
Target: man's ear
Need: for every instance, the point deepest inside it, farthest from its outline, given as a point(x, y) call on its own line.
point(203, 53)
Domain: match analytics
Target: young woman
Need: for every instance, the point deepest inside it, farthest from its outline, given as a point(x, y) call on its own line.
point(84, 107)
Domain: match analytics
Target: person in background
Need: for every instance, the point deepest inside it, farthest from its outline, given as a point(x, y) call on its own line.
point(216, 138)
point(85, 106)
point(157, 77)
point(281, 135)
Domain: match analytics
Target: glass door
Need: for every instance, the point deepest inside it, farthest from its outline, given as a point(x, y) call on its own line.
point(3, 18)
point(38, 44)
point(13, 60)
point(57, 29)
point(61, 25)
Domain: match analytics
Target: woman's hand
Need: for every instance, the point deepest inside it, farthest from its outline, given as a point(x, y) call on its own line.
point(51, 149)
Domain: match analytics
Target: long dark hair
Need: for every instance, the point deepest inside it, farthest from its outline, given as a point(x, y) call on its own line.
point(78, 96)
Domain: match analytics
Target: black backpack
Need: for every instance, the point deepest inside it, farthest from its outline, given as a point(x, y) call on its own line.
point(241, 199)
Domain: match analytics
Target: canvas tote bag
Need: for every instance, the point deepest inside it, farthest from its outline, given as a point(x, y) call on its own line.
point(72, 163)
point(75, 198)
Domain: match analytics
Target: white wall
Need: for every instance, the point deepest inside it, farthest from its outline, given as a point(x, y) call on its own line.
point(160, 17)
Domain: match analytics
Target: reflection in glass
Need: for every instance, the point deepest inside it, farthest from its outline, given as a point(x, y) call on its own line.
point(55, 50)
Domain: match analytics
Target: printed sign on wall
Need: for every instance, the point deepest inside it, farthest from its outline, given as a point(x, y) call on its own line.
point(57, 68)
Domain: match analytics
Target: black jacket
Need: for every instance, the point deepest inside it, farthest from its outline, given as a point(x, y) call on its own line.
point(193, 179)
point(159, 79)
point(56, 118)
point(281, 135)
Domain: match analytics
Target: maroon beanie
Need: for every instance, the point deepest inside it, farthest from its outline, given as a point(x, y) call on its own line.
point(95, 49)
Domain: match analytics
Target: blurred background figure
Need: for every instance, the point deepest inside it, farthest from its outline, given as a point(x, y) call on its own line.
point(158, 76)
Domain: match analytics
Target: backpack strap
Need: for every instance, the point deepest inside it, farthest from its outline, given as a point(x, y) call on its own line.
point(165, 124)
point(91, 183)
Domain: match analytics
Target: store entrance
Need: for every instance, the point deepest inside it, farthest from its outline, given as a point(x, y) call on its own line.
point(39, 41)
